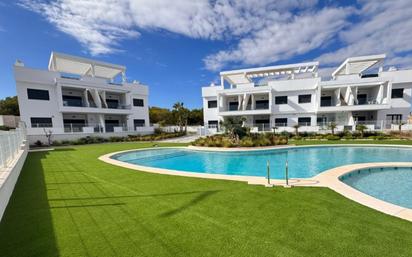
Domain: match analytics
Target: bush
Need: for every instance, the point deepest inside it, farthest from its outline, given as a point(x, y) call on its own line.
point(38, 143)
point(4, 128)
point(246, 142)
point(253, 139)
point(332, 137)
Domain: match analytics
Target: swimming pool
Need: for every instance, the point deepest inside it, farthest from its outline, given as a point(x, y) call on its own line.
point(393, 185)
point(304, 162)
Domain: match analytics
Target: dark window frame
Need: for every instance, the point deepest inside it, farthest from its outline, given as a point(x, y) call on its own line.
point(213, 105)
point(113, 103)
point(233, 104)
point(281, 99)
point(262, 104)
point(138, 102)
point(303, 99)
point(42, 122)
point(281, 122)
point(329, 101)
point(395, 93)
point(73, 101)
point(304, 123)
point(139, 123)
point(38, 94)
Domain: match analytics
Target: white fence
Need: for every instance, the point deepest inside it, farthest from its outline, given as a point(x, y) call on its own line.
point(10, 144)
point(320, 127)
point(13, 152)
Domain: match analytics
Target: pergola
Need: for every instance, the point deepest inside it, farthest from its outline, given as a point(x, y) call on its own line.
point(356, 65)
point(85, 67)
point(244, 76)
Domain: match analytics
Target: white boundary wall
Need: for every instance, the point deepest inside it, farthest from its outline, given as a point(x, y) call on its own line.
point(13, 153)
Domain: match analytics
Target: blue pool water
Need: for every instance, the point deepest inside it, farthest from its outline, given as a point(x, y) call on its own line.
point(304, 162)
point(392, 185)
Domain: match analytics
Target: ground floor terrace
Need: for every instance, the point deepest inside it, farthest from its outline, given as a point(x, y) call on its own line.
point(321, 122)
point(69, 203)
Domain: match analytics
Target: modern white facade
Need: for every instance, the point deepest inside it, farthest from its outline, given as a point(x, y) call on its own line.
point(360, 92)
point(79, 96)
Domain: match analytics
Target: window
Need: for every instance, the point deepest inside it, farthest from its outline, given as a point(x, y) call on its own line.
point(211, 104)
point(262, 104)
point(326, 101)
point(281, 122)
point(303, 99)
point(362, 99)
point(213, 123)
point(69, 100)
point(233, 106)
point(37, 94)
point(139, 123)
point(394, 118)
point(138, 102)
point(40, 122)
point(304, 121)
point(281, 100)
point(112, 103)
point(397, 93)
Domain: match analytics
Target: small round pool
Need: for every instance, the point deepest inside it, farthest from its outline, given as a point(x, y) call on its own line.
point(304, 162)
point(393, 185)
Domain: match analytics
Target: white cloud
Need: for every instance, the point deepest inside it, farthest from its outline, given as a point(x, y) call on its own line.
point(282, 40)
point(101, 25)
point(98, 25)
point(258, 31)
point(384, 27)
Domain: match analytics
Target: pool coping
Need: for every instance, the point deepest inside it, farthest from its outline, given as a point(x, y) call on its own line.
point(328, 178)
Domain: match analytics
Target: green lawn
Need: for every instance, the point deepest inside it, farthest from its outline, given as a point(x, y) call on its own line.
point(68, 203)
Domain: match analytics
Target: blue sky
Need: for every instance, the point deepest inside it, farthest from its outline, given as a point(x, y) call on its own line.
point(176, 47)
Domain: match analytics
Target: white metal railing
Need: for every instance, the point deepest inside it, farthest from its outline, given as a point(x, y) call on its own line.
point(10, 144)
point(89, 128)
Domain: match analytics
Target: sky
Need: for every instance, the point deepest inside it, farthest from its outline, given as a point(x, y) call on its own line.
point(176, 47)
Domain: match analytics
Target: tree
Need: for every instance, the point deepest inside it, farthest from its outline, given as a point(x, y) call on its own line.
point(180, 115)
point(296, 127)
point(9, 106)
point(400, 124)
point(48, 134)
point(361, 128)
point(195, 117)
point(160, 115)
point(332, 126)
point(234, 127)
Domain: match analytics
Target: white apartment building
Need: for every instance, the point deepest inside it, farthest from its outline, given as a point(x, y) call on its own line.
point(77, 97)
point(360, 92)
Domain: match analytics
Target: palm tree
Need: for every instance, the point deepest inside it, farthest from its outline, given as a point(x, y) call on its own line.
point(296, 127)
point(361, 128)
point(180, 115)
point(332, 126)
point(400, 124)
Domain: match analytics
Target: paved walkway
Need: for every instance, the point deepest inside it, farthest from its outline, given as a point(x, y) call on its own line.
point(184, 139)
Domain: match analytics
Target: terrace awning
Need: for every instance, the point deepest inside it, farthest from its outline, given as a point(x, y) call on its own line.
point(356, 65)
point(244, 76)
point(82, 66)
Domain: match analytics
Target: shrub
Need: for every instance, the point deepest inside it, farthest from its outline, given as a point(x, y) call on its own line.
point(254, 139)
point(38, 143)
point(332, 137)
point(4, 128)
point(246, 142)
point(348, 136)
point(56, 143)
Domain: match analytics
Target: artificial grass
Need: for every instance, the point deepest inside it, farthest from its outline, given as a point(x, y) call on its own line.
point(68, 203)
